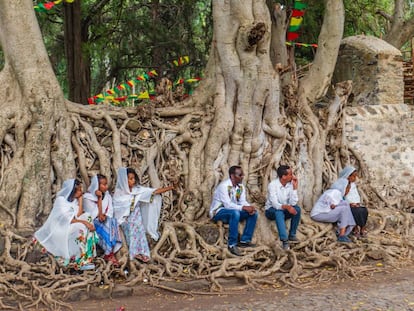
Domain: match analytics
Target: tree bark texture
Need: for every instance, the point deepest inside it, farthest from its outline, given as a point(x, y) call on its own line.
point(30, 115)
point(237, 117)
point(401, 29)
point(78, 64)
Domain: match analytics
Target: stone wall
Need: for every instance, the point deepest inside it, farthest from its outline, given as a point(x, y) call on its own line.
point(379, 127)
point(374, 66)
point(383, 136)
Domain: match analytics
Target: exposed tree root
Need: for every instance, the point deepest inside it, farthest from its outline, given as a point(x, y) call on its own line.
point(166, 146)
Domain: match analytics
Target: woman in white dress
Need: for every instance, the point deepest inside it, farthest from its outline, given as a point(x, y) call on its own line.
point(137, 210)
point(332, 207)
point(98, 202)
point(359, 211)
point(69, 233)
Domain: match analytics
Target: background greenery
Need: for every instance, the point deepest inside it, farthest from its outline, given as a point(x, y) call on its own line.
point(127, 38)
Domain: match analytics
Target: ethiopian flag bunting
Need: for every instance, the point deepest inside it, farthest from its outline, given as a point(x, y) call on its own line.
point(296, 20)
point(299, 5)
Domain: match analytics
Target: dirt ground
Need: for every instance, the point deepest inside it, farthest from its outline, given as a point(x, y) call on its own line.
point(389, 290)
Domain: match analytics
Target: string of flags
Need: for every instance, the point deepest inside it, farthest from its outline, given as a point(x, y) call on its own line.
point(183, 60)
point(296, 20)
point(43, 7)
point(120, 94)
point(114, 94)
point(313, 45)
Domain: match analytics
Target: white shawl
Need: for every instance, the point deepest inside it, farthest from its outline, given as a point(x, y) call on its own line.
point(150, 204)
point(332, 196)
point(53, 235)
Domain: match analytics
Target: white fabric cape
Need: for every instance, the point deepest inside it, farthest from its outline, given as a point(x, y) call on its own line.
point(53, 235)
point(334, 195)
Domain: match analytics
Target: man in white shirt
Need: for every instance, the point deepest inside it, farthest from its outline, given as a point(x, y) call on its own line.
point(282, 197)
point(230, 206)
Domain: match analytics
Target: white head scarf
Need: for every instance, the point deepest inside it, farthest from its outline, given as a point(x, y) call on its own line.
point(122, 187)
point(93, 187)
point(347, 171)
point(340, 185)
point(67, 188)
point(90, 202)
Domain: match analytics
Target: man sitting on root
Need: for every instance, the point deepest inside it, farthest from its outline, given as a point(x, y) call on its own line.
point(230, 206)
point(281, 204)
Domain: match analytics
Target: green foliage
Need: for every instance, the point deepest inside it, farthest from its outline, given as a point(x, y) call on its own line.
point(128, 38)
point(361, 17)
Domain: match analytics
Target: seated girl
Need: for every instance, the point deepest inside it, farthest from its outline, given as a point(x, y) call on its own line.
point(98, 202)
point(331, 207)
point(352, 196)
point(137, 210)
point(69, 233)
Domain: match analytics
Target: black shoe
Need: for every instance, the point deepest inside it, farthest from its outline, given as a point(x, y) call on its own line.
point(293, 239)
point(285, 245)
point(246, 244)
point(234, 250)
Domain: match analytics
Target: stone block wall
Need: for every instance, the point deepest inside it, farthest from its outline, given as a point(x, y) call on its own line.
point(374, 66)
point(383, 136)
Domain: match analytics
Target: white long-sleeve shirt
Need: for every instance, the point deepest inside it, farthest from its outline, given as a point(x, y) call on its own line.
point(353, 195)
point(278, 195)
point(228, 196)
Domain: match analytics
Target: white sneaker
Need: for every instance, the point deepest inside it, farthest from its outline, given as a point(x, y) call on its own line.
point(88, 266)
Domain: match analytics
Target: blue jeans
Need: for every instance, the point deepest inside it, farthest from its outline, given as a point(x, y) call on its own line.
point(233, 217)
point(280, 215)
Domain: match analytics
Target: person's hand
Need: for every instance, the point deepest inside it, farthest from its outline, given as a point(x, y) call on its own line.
point(98, 193)
point(250, 209)
point(294, 182)
point(90, 226)
point(354, 204)
point(333, 206)
point(102, 217)
point(290, 209)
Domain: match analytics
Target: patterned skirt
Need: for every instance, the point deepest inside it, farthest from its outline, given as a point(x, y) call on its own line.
point(108, 232)
point(135, 234)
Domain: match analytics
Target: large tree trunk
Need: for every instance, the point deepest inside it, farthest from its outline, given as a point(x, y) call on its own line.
point(31, 110)
point(77, 55)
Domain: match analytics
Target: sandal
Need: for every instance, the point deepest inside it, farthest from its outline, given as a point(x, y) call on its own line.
point(142, 258)
point(111, 258)
point(364, 232)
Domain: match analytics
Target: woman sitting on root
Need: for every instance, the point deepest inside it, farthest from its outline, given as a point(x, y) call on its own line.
point(69, 233)
point(352, 196)
point(98, 202)
point(137, 210)
point(331, 207)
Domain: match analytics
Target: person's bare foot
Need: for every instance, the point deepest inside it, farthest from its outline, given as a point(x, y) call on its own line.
point(142, 258)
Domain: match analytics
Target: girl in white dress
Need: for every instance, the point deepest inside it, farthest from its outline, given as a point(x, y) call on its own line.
point(69, 233)
point(98, 202)
point(137, 210)
point(359, 211)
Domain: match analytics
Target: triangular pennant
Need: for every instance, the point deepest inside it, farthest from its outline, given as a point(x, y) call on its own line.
point(291, 36)
point(299, 5)
point(297, 13)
